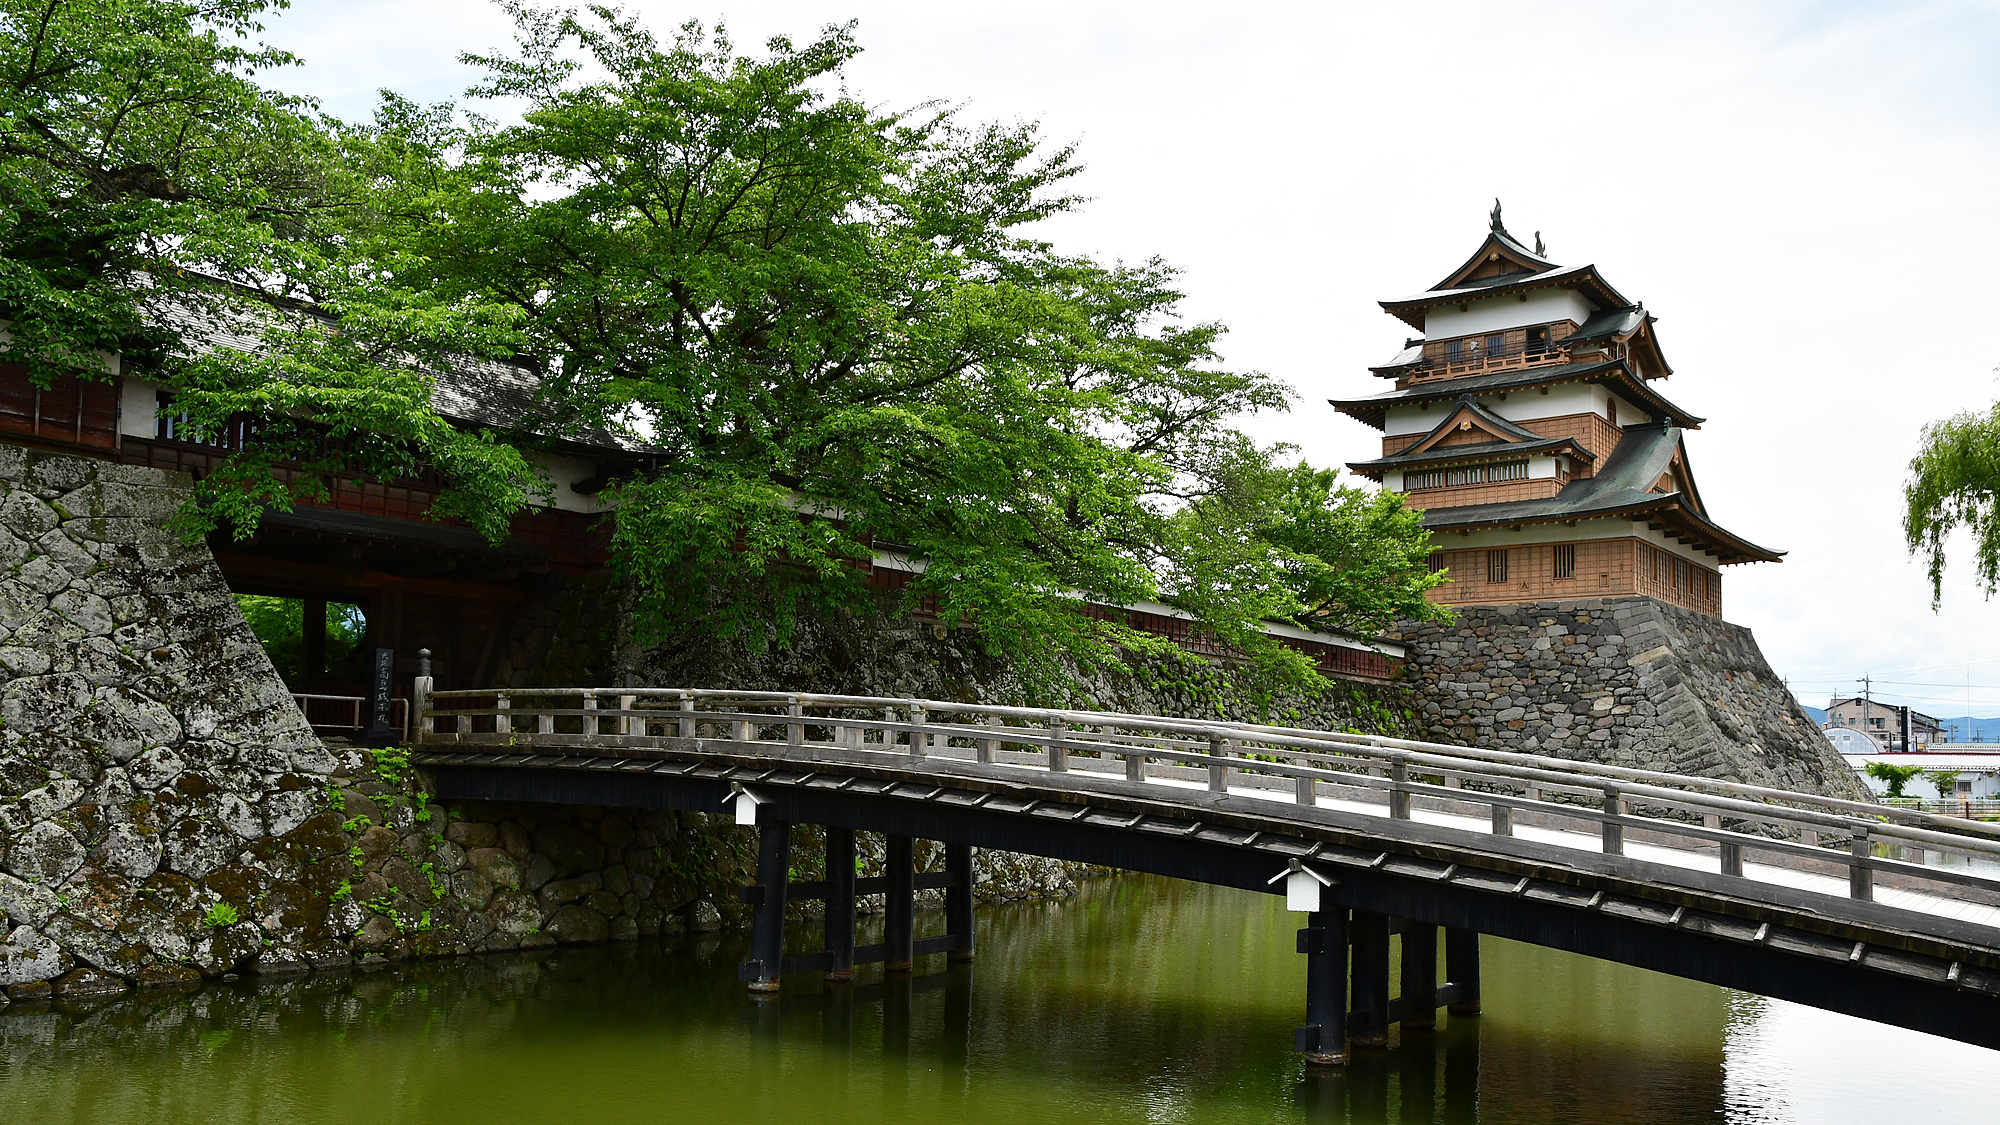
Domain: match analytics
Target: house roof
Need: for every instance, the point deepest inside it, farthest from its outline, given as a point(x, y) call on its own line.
point(1373, 409)
point(1622, 487)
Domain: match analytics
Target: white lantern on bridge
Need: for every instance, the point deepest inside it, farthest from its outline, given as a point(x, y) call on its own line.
point(1302, 887)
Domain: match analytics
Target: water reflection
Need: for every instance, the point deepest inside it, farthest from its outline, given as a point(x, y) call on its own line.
point(1143, 1000)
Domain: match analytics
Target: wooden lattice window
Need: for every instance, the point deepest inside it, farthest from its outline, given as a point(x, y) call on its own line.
point(1565, 560)
point(1496, 565)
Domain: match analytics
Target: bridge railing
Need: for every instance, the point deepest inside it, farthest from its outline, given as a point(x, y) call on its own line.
point(1732, 818)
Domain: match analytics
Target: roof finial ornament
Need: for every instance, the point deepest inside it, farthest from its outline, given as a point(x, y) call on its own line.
point(1539, 252)
point(1496, 217)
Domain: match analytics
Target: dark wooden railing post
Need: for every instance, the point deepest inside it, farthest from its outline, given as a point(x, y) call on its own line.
point(958, 900)
point(1732, 859)
point(1323, 1039)
point(767, 930)
point(899, 905)
point(840, 902)
point(1461, 970)
point(1614, 834)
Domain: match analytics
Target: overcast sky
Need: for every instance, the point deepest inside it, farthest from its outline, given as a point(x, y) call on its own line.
point(1804, 194)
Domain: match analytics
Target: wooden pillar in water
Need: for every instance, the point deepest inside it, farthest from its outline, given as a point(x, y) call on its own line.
point(1369, 1024)
point(1323, 1039)
point(899, 923)
point(1420, 958)
point(840, 902)
point(1461, 968)
point(958, 900)
point(767, 931)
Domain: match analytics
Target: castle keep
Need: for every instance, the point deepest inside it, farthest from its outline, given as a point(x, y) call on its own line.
point(1526, 422)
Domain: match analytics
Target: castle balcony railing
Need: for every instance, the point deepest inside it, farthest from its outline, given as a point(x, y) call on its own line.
point(1477, 359)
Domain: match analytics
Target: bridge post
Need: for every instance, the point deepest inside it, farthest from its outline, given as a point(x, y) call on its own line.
point(687, 714)
point(1058, 751)
point(1420, 958)
point(1369, 1022)
point(899, 924)
point(1860, 876)
point(1218, 772)
point(840, 902)
point(1461, 968)
point(767, 931)
point(920, 735)
point(958, 900)
point(1614, 834)
point(985, 747)
point(1323, 1039)
point(1399, 793)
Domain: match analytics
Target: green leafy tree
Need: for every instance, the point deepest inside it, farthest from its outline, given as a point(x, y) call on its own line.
point(1955, 482)
point(1945, 781)
point(1894, 776)
point(834, 329)
point(159, 203)
point(812, 308)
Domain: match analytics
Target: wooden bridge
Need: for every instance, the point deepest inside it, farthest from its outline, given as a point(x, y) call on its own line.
point(1888, 914)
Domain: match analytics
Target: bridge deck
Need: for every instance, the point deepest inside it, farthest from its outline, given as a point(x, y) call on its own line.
point(1645, 868)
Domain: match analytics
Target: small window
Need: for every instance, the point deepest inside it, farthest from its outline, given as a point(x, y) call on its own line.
point(1565, 560)
point(1428, 478)
point(1454, 351)
point(1495, 344)
point(1964, 787)
point(1508, 470)
point(1611, 410)
point(1437, 562)
point(1496, 565)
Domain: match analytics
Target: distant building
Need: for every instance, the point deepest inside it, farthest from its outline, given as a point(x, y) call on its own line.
point(1527, 423)
point(1891, 727)
point(1978, 772)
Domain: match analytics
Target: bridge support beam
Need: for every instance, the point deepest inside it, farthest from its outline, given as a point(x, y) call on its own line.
point(767, 930)
point(899, 906)
point(1461, 970)
point(1368, 1025)
point(958, 900)
point(1323, 1039)
point(1419, 989)
point(840, 903)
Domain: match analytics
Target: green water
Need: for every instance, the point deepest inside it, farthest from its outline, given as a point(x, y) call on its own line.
point(1143, 1000)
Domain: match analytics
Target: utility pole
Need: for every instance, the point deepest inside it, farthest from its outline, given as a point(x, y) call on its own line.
point(1867, 708)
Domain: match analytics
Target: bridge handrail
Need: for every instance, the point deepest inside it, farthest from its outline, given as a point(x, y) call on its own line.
point(1892, 814)
point(1220, 747)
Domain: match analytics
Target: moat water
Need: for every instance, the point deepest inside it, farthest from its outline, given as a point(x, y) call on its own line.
point(1142, 1000)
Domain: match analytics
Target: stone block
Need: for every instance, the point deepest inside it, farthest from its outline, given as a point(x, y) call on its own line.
point(27, 956)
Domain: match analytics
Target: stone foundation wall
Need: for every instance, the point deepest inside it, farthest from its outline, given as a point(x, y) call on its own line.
point(1628, 681)
point(166, 814)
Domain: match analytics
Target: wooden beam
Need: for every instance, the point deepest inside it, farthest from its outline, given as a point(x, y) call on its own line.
point(254, 574)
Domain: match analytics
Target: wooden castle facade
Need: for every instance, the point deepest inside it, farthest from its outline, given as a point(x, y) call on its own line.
point(1527, 424)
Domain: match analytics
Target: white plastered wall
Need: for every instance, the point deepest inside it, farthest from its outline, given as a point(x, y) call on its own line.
point(138, 408)
point(1523, 405)
point(1496, 314)
point(567, 472)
